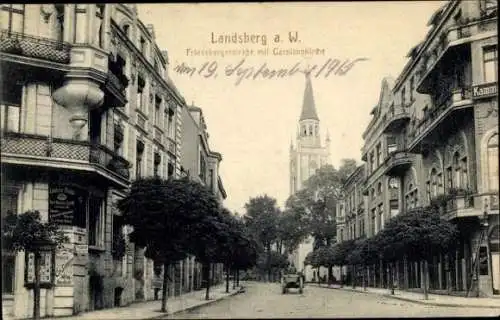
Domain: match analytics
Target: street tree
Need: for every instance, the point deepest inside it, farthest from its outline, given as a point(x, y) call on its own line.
point(26, 232)
point(417, 234)
point(261, 219)
point(151, 209)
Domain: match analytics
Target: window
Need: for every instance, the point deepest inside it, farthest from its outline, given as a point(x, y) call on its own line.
point(140, 93)
point(379, 154)
point(9, 204)
point(434, 182)
point(490, 58)
point(117, 229)
point(126, 29)
point(143, 46)
point(138, 159)
point(316, 130)
point(14, 14)
point(403, 97)
point(379, 188)
point(341, 235)
point(372, 161)
point(449, 178)
point(60, 21)
point(203, 167)
point(156, 164)
point(391, 144)
point(457, 169)
point(170, 169)
point(99, 13)
point(118, 137)
point(11, 108)
point(211, 178)
point(492, 156)
point(96, 214)
point(394, 207)
point(372, 225)
point(412, 87)
point(310, 130)
point(171, 129)
point(157, 119)
point(465, 176)
point(381, 215)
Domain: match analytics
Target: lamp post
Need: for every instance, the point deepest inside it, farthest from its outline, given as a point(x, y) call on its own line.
point(484, 225)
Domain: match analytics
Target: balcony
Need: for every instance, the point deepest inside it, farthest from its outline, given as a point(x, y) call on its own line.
point(394, 119)
point(459, 98)
point(116, 85)
point(34, 47)
point(397, 163)
point(45, 150)
point(453, 42)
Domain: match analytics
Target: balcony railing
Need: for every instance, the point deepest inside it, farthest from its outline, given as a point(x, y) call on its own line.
point(458, 97)
point(398, 162)
point(35, 47)
point(57, 148)
point(394, 118)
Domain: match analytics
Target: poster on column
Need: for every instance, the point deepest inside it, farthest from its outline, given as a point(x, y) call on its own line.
point(45, 268)
point(64, 266)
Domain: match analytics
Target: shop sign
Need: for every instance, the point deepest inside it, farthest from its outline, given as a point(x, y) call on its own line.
point(61, 205)
point(484, 90)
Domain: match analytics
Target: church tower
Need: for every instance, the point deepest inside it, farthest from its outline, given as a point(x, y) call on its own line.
point(305, 158)
point(308, 154)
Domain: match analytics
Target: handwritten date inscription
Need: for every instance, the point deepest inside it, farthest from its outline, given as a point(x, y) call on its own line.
point(243, 71)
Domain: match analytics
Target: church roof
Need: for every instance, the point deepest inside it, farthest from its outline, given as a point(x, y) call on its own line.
point(308, 106)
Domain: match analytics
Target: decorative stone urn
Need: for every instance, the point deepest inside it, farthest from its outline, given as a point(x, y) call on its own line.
point(79, 96)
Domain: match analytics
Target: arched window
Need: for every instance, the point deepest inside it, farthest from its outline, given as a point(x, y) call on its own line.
point(316, 130)
point(126, 29)
point(379, 188)
point(304, 130)
point(492, 151)
point(310, 130)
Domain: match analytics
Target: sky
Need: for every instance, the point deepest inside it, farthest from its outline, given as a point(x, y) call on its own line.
point(252, 121)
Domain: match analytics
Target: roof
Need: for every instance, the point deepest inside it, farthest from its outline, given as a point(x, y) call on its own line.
point(308, 106)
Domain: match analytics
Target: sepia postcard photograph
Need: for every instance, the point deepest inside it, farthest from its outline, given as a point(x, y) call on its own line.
point(249, 160)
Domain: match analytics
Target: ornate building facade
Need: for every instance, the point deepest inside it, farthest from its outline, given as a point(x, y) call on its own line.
point(434, 138)
point(308, 155)
point(87, 106)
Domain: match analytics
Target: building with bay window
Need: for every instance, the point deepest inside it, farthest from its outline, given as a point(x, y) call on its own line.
point(87, 106)
point(433, 138)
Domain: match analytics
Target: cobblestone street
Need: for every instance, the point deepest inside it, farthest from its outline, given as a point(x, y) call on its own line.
point(262, 300)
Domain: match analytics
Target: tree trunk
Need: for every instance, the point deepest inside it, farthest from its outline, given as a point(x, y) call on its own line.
point(164, 294)
point(36, 289)
point(227, 279)
point(319, 278)
point(364, 279)
point(206, 271)
point(238, 278)
point(268, 263)
point(341, 277)
point(353, 276)
point(330, 275)
point(424, 278)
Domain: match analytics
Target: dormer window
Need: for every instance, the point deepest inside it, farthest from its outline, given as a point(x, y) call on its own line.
point(143, 45)
point(126, 29)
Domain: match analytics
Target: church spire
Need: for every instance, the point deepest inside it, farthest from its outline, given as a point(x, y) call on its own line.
point(308, 106)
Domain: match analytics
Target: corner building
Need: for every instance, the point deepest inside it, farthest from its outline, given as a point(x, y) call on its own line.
point(433, 138)
point(87, 107)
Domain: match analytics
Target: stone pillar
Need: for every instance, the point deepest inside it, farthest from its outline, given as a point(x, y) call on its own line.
point(91, 33)
point(79, 96)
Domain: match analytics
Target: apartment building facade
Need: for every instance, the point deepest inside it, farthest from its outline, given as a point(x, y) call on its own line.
point(433, 138)
point(201, 164)
point(87, 107)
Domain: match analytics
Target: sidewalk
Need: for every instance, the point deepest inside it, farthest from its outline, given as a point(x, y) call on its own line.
point(434, 299)
point(151, 309)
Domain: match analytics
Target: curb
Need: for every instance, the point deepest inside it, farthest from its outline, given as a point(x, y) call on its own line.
point(439, 304)
point(202, 304)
